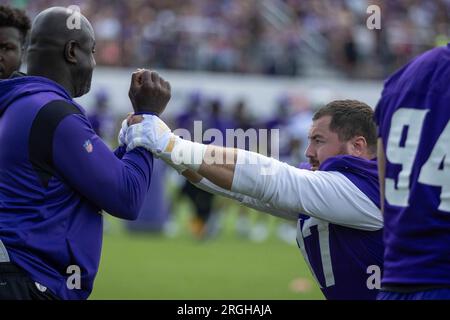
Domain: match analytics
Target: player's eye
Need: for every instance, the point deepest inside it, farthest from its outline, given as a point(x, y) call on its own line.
point(6, 47)
point(318, 141)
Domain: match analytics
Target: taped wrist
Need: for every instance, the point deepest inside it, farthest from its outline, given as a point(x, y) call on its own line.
point(183, 152)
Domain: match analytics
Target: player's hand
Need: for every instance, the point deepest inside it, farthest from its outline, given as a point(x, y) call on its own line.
point(149, 92)
point(130, 120)
point(149, 132)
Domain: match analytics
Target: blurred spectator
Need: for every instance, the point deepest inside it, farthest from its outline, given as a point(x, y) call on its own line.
point(103, 121)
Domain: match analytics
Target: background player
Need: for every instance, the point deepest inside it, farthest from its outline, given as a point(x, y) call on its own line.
point(14, 27)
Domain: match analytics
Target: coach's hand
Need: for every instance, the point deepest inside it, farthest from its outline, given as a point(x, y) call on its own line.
point(149, 92)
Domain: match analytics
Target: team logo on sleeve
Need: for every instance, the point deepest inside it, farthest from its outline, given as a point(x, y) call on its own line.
point(88, 146)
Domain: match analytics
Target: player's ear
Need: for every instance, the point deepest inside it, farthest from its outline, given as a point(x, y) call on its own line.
point(69, 51)
point(359, 146)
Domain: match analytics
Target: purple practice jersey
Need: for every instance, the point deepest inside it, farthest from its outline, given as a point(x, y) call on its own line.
point(56, 175)
point(342, 258)
point(413, 119)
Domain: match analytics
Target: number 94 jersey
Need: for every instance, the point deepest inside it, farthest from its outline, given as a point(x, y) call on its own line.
point(413, 120)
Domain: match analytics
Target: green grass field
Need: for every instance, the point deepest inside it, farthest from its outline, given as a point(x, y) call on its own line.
point(141, 266)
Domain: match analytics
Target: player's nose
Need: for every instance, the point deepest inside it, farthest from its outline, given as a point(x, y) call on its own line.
point(309, 152)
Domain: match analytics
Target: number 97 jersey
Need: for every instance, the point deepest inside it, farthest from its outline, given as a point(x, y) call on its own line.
point(413, 122)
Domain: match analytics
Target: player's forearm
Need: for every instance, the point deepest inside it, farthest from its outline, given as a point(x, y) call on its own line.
point(219, 165)
point(206, 185)
point(251, 179)
point(283, 187)
point(212, 162)
point(246, 174)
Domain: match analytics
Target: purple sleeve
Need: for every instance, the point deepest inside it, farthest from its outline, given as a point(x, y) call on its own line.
point(117, 186)
point(120, 151)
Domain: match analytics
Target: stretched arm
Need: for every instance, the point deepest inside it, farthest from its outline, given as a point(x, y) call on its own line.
point(328, 196)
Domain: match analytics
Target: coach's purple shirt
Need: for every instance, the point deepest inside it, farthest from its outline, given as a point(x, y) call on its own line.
point(48, 225)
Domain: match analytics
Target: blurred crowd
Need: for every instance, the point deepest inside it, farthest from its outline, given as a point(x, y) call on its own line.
point(274, 37)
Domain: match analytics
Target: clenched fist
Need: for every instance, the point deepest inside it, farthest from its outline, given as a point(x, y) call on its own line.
point(149, 92)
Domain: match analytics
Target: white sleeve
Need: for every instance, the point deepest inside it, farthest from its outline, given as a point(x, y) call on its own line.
point(247, 201)
point(328, 196)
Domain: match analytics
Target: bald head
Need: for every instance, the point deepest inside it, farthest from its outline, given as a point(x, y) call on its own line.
point(59, 25)
point(62, 44)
